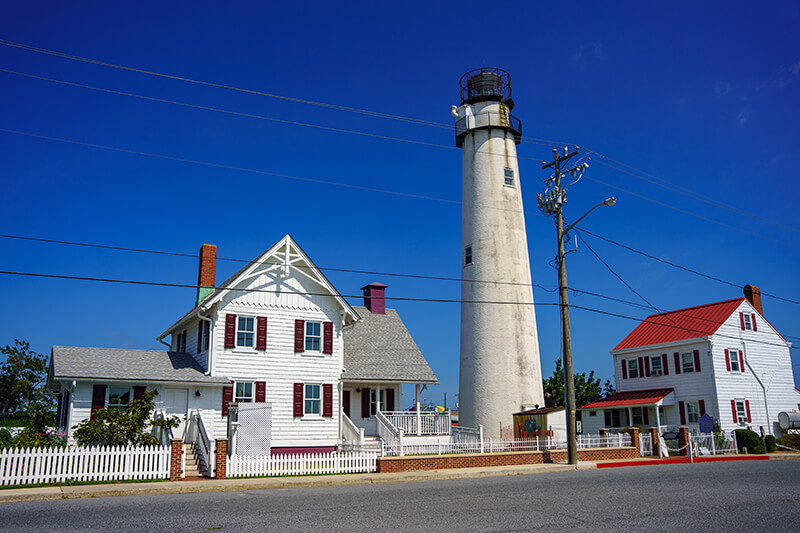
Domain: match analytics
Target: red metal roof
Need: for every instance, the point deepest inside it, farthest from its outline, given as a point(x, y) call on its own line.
point(633, 397)
point(683, 324)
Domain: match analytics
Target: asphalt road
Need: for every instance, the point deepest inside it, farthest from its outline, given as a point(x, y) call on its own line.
point(743, 496)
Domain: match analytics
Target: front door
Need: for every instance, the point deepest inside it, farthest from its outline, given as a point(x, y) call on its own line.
point(176, 404)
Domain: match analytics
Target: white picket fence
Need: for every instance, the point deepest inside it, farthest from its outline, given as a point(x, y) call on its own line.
point(301, 464)
point(22, 466)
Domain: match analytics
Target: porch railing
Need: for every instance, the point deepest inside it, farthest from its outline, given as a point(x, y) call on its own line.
point(391, 436)
point(494, 446)
point(422, 423)
point(352, 434)
point(164, 435)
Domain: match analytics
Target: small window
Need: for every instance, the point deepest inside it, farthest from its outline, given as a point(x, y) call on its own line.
point(633, 368)
point(205, 334)
point(372, 401)
point(468, 255)
point(313, 336)
point(245, 331)
point(747, 323)
point(687, 362)
point(509, 177)
point(313, 401)
point(118, 397)
point(733, 353)
point(592, 413)
point(741, 412)
point(655, 366)
point(638, 416)
point(692, 412)
point(244, 392)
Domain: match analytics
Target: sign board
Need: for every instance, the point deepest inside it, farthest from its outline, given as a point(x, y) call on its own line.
point(706, 423)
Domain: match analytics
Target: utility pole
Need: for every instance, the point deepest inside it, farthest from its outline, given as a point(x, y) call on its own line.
point(552, 202)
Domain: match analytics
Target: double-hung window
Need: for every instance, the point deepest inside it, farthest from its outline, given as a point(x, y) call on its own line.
point(313, 336)
point(692, 412)
point(687, 362)
point(734, 358)
point(633, 368)
point(373, 405)
point(243, 392)
point(638, 416)
point(655, 366)
point(205, 334)
point(245, 331)
point(741, 412)
point(748, 324)
point(119, 397)
point(508, 176)
point(313, 400)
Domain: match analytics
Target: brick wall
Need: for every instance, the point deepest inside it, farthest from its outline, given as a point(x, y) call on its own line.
point(222, 458)
point(438, 462)
point(176, 459)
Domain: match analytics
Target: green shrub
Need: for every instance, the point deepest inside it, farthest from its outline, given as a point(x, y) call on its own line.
point(759, 448)
point(746, 438)
point(769, 442)
point(5, 437)
point(790, 440)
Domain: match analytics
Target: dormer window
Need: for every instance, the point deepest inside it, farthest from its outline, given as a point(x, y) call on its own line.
point(633, 368)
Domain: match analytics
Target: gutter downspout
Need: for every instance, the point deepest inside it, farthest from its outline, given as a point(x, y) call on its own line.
point(714, 381)
point(210, 334)
point(763, 388)
point(169, 346)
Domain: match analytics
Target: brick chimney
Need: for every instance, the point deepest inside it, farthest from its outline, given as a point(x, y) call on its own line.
point(207, 272)
point(753, 295)
point(375, 298)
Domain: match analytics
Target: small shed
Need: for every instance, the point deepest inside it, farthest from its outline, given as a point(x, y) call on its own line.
point(542, 422)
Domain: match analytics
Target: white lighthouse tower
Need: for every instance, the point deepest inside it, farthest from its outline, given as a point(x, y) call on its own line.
point(500, 372)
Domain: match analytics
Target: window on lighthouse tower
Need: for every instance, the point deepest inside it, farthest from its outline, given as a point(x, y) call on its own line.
point(468, 255)
point(509, 177)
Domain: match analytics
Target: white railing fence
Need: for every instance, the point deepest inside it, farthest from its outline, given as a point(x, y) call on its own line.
point(22, 466)
point(351, 434)
point(424, 423)
point(645, 445)
point(710, 444)
point(389, 434)
point(494, 446)
point(301, 464)
point(469, 438)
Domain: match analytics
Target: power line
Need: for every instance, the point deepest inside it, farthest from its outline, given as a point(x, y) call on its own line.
point(396, 298)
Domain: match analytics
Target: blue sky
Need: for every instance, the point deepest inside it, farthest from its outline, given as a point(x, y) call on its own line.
point(703, 95)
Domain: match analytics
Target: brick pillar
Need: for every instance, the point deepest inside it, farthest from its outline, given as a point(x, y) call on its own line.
point(683, 440)
point(222, 458)
point(654, 440)
point(176, 460)
point(634, 433)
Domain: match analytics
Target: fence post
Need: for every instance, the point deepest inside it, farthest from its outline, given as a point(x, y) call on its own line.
point(735, 444)
point(221, 458)
point(176, 459)
point(684, 442)
point(653, 440)
point(713, 445)
point(480, 433)
point(634, 433)
point(400, 441)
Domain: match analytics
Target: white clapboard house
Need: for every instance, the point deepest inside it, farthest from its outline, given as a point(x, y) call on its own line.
point(275, 349)
point(724, 359)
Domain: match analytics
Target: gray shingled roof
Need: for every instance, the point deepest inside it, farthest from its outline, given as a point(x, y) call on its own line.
point(380, 348)
point(133, 365)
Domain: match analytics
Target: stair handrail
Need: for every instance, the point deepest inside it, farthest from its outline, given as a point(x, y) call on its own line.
point(352, 433)
point(203, 443)
point(391, 436)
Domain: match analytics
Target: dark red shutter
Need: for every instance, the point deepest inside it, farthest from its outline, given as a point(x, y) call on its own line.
point(702, 405)
point(227, 397)
point(646, 416)
point(261, 391)
point(664, 365)
point(327, 399)
point(261, 333)
point(677, 357)
point(364, 402)
point(641, 367)
point(683, 413)
point(733, 408)
point(230, 331)
point(727, 360)
point(741, 319)
point(327, 340)
point(697, 360)
point(624, 369)
point(98, 398)
point(299, 335)
point(390, 399)
point(647, 366)
point(199, 336)
point(747, 408)
point(753, 318)
point(298, 399)
point(741, 361)
point(138, 392)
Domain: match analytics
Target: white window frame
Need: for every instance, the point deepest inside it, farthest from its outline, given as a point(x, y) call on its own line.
point(373, 405)
point(741, 415)
point(733, 355)
point(690, 368)
point(311, 338)
point(205, 335)
point(693, 412)
point(315, 400)
point(508, 174)
point(252, 332)
point(119, 406)
point(633, 366)
point(468, 255)
point(748, 322)
point(653, 360)
point(243, 398)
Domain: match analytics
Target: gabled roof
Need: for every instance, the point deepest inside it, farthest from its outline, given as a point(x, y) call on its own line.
point(683, 324)
point(380, 348)
point(72, 362)
point(287, 253)
point(634, 397)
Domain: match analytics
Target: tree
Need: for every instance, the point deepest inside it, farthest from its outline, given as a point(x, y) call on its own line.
point(123, 427)
point(23, 382)
point(587, 388)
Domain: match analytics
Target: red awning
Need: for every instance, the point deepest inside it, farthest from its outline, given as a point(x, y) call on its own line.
point(633, 397)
